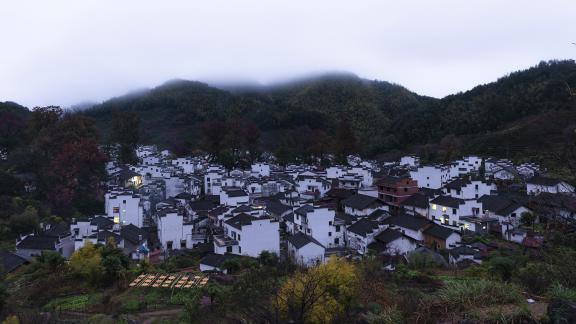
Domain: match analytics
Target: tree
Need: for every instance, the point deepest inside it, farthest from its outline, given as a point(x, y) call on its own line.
point(52, 260)
point(114, 262)
point(126, 132)
point(77, 171)
point(25, 222)
point(322, 294)
point(528, 219)
point(345, 141)
point(87, 263)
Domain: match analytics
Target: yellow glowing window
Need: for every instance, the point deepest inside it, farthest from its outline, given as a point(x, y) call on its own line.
point(434, 206)
point(116, 220)
point(444, 209)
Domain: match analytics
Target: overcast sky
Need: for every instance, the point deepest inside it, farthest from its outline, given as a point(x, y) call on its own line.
point(65, 52)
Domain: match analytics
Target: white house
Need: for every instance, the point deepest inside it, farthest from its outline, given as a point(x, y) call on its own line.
point(124, 207)
point(447, 210)
point(249, 235)
point(361, 205)
point(468, 189)
point(262, 169)
point(320, 223)
point(233, 197)
point(392, 242)
point(540, 184)
point(305, 250)
point(434, 177)
point(174, 232)
point(360, 234)
point(410, 161)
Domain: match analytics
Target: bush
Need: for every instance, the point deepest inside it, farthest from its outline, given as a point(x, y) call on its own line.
point(131, 305)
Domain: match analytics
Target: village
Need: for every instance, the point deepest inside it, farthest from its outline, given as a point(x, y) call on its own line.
point(307, 214)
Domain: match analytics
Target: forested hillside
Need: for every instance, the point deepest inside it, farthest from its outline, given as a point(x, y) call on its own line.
point(526, 113)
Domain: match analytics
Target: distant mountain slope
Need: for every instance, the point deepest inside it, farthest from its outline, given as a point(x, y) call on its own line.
point(383, 115)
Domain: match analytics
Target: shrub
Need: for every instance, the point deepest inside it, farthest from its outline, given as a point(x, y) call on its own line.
point(131, 305)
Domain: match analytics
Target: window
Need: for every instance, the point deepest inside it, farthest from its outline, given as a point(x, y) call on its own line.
point(228, 249)
point(444, 209)
point(337, 240)
point(124, 201)
point(330, 223)
point(182, 244)
point(329, 233)
point(238, 237)
point(454, 211)
point(434, 207)
point(454, 223)
point(169, 245)
point(476, 187)
point(116, 210)
point(239, 250)
point(337, 228)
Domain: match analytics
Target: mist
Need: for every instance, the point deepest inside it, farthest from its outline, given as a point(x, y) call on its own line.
point(69, 52)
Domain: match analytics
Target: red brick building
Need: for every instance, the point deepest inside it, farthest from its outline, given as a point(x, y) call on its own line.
point(394, 190)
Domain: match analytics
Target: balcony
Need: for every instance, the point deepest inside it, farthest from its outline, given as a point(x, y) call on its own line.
point(224, 241)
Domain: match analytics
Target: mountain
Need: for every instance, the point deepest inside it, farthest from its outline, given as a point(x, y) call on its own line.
point(525, 113)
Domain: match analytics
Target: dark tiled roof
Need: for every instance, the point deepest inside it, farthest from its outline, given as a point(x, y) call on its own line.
point(304, 210)
point(347, 219)
point(360, 201)
point(57, 230)
point(132, 233)
point(299, 240)
point(499, 205)
point(340, 193)
point(240, 220)
point(104, 236)
point(447, 201)
point(388, 235)
point(289, 217)
point(457, 183)
point(416, 200)
point(202, 205)
point(363, 227)
point(277, 208)
point(236, 193)
point(10, 261)
point(37, 243)
point(242, 209)
point(543, 181)
point(183, 195)
point(439, 231)
point(414, 223)
point(101, 222)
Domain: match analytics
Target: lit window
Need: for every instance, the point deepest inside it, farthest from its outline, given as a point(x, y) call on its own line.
point(444, 209)
point(433, 206)
point(116, 220)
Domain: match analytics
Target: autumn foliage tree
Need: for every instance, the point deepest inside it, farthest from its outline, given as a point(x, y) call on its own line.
point(323, 294)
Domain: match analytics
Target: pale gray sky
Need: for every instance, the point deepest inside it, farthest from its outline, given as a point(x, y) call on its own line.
point(65, 52)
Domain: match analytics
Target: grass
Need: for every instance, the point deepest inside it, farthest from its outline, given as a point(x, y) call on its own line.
point(557, 291)
point(477, 293)
point(73, 303)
